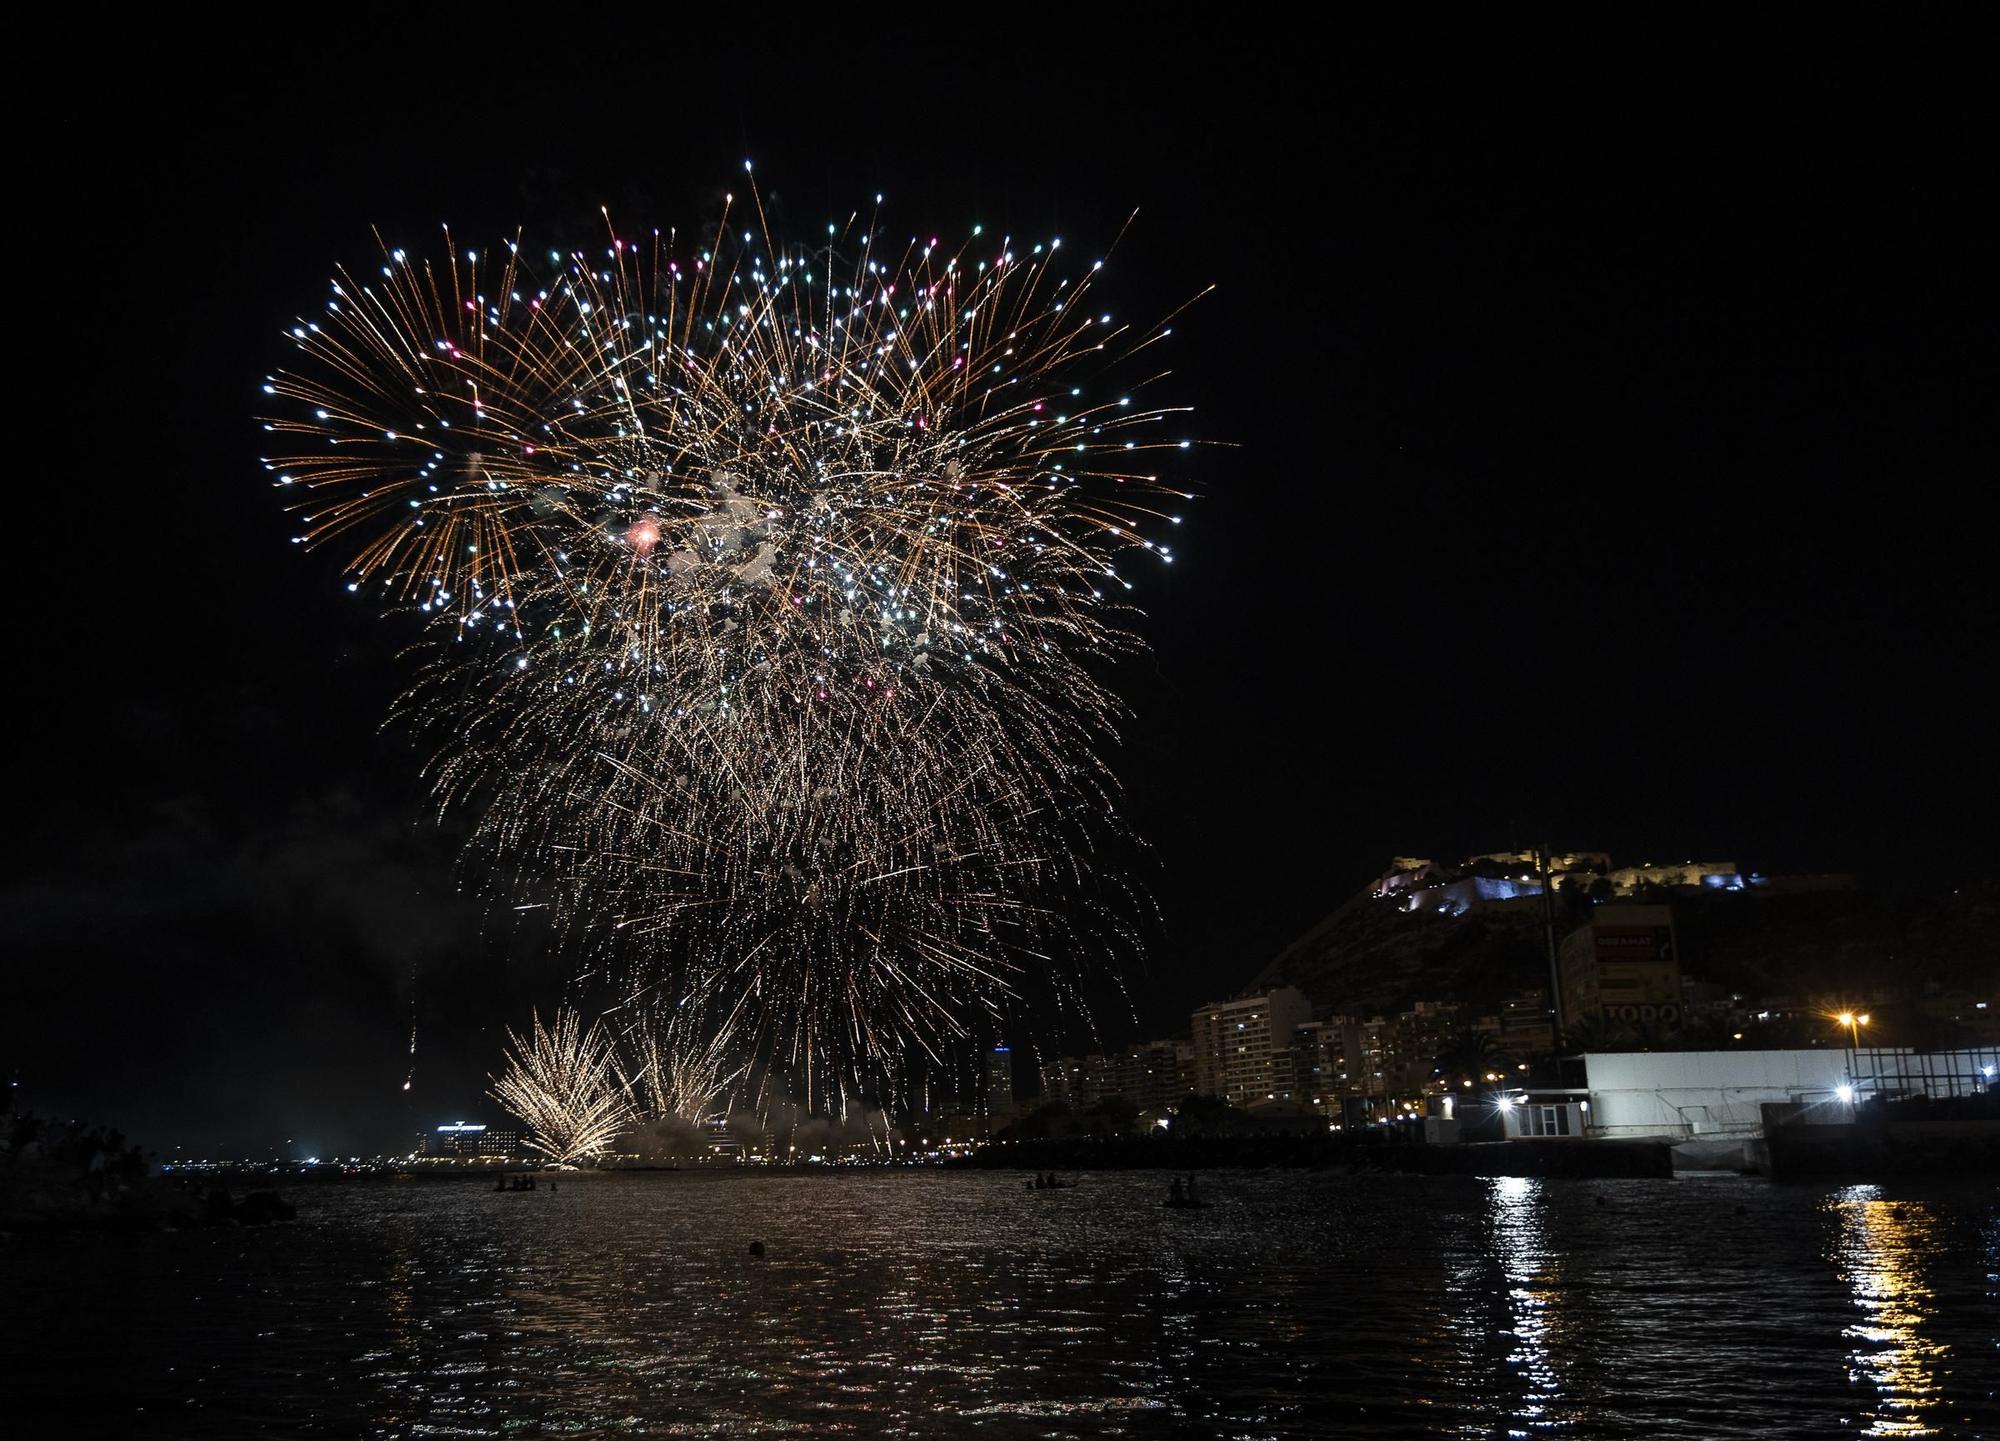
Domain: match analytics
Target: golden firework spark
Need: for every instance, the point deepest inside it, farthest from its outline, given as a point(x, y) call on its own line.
point(769, 588)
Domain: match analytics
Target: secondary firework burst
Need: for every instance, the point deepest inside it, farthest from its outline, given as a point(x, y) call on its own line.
point(565, 1084)
point(768, 587)
point(676, 1068)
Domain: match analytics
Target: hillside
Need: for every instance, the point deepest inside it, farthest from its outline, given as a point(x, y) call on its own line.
point(1859, 942)
point(1371, 957)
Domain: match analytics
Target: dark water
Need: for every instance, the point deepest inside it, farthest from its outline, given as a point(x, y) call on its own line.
point(958, 1304)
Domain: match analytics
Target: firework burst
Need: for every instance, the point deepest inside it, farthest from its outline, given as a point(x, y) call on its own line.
point(768, 588)
point(677, 1069)
point(564, 1083)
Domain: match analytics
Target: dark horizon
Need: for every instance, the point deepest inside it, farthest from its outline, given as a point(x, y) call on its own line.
point(1596, 462)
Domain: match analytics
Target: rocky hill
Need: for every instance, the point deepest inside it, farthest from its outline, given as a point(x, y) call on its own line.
point(1372, 957)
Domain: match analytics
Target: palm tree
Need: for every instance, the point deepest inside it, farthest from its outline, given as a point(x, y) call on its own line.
point(1197, 1115)
point(1468, 1056)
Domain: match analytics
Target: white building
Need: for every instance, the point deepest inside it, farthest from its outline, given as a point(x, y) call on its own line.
point(1720, 1095)
point(1685, 1095)
point(1241, 1047)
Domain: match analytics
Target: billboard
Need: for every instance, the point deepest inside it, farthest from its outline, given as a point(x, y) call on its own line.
point(1624, 970)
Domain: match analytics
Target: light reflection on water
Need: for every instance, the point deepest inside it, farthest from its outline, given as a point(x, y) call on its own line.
point(1883, 1249)
point(945, 1304)
point(1532, 1267)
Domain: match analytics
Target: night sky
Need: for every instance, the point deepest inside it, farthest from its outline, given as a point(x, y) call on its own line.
point(1600, 459)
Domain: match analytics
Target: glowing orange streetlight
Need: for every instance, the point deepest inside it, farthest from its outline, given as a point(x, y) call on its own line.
point(1854, 1021)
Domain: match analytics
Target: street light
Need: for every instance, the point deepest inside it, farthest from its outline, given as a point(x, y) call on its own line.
point(1854, 1021)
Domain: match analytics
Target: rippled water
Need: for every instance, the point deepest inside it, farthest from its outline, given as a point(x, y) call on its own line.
point(941, 1304)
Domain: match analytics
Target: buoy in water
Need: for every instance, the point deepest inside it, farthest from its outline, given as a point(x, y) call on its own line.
point(756, 1248)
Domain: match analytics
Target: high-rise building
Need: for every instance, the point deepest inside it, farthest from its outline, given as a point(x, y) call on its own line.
point(1371, 1053)
point(1622, 969)
point(1241, 1047)
point(1060, 1079)
point(998, 1085)
point(1392, 1057)
point(1422, 1033)
point(1319, 1073)
point(1152, 1075)
point(1078, 1082)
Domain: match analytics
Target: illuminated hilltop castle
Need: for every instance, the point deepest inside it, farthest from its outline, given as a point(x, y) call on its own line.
point(1500, 878)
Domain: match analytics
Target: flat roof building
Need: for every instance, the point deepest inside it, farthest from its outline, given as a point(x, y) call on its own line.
point(467, 1138)
point(1242, 1048)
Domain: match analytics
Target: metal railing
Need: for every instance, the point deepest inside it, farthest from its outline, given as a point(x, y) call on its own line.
point(1893, 1071)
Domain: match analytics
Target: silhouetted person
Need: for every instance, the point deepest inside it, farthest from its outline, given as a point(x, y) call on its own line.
point(1174, 1193)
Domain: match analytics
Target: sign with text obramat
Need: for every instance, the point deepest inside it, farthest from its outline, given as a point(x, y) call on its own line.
point(1638, 975)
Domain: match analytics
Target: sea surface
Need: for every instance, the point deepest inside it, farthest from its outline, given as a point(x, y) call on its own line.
point(932, 1303)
